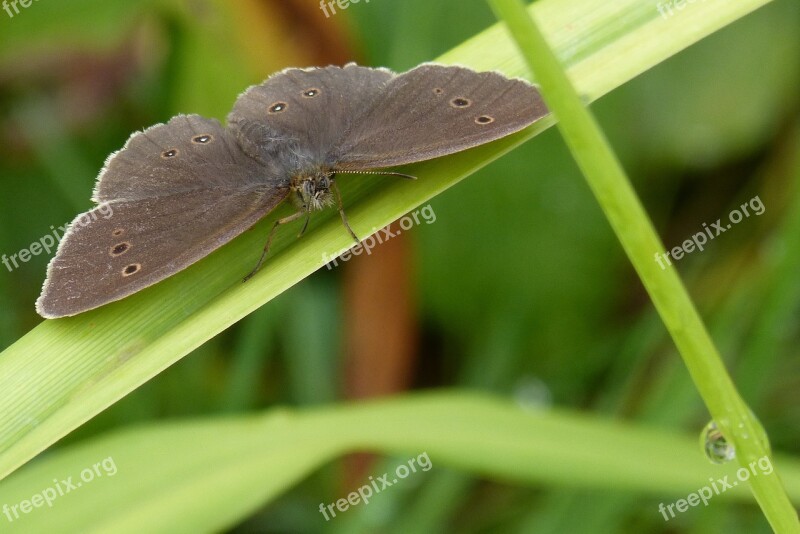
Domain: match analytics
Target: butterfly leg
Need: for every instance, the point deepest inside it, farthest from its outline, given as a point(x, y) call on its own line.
point(305, 224)
point(341, 212)
point(279, 222)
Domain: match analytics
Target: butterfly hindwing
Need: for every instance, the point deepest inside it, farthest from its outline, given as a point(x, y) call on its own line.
point(102, 259)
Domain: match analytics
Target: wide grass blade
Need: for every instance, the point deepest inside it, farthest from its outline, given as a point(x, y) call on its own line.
point(162, 481)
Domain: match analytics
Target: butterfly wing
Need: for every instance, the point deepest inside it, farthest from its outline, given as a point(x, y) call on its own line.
point(188, 153)
point(298, 115)
point(358, 118)
point(160, 212)
point(435, 110)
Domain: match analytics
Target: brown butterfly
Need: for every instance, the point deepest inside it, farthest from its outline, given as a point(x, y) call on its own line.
point(180, 190)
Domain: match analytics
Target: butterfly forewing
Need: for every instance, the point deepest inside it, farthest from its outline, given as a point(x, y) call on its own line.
point(187, 153)
point(175, 193)
point(432, 111)
point(297, 116)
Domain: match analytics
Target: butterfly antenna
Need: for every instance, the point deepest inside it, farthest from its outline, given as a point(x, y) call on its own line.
point(382, 173)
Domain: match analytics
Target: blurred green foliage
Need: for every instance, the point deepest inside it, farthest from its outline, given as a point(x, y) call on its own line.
point(522, 288)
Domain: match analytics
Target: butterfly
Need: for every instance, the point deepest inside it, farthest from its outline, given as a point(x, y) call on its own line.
point(180, 190)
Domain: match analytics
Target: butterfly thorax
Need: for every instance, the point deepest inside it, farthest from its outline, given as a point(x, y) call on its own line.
point(312, 191)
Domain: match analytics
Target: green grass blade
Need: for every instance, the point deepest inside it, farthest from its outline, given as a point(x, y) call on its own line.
point(64, 372)
point(163, 482)
point(632, 226)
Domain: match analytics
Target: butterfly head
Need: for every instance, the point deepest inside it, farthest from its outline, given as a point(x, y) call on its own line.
point(312, 192)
